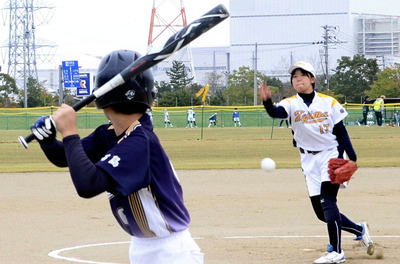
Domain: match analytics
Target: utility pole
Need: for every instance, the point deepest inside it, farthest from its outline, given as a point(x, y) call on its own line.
point(255, 74)
point(328, 38)
point(60, 86)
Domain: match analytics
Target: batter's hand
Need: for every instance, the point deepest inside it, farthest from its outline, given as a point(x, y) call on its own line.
point(44, 130)
point(65, 119)
point(265, 92)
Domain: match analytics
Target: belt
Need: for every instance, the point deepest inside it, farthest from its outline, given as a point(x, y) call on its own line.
point(303, 151)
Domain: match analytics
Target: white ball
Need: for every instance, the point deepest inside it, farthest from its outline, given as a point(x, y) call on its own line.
point(268, 164)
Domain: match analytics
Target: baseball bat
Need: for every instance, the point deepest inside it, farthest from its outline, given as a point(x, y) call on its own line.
point(176, 42)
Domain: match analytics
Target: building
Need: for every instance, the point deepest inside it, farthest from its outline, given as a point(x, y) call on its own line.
point(318, 31)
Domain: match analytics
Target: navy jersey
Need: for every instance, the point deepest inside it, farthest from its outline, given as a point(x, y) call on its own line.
point(146, 197)
point(213, 117)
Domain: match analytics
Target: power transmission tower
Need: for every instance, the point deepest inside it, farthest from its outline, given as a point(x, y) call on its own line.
point(168, 17)
point(22, 48)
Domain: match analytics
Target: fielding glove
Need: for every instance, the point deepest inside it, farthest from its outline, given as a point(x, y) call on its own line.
point(340, 170)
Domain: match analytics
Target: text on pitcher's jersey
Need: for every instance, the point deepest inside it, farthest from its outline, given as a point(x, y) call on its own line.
point(312, 125)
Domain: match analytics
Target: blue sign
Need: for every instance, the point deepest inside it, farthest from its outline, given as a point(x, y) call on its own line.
point(84, 85)
point(71, 74)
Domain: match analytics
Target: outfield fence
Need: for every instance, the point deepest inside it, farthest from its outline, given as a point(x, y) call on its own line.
point(250, 116)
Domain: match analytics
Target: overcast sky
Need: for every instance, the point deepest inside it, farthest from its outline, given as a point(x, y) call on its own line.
point(82, 27)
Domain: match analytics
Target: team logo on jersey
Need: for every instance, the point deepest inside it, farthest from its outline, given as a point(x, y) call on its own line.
point(310, 117)
point(114, 161)
point(105, 157)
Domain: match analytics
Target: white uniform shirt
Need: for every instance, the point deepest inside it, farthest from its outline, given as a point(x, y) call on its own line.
point(313, 125)
point(190, 115)
point(166, 117)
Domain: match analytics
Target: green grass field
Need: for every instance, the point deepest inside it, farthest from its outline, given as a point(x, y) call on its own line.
point(220, 148)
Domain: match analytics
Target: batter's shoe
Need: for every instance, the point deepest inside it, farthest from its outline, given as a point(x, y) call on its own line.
point(365, 239)
point(331, 257)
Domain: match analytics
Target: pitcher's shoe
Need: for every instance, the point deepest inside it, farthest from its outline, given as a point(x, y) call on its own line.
point(331, 257)
point(365, 239)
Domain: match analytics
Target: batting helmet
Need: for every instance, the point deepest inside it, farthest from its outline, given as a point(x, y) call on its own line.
point(136, 93)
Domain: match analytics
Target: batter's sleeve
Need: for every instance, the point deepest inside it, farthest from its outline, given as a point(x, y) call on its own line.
point(88, 179)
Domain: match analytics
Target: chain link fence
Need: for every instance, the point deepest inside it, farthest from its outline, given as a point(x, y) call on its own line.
point(250, 116)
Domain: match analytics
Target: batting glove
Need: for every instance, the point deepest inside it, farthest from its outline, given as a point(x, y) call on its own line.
point(44, 130)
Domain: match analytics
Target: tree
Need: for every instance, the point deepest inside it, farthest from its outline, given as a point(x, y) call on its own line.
point(179, 91)
point(7, 86)
point(178, 98)
point(215, 81)
point(178, 76)
point(217, 98)
point(353, 77)
point(46, 97)
point(33, 93)
point(240, 90)
point(388, 83)
point(273, 81)
point(162, 87)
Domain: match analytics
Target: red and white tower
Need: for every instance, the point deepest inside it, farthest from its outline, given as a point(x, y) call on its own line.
point(168, 17)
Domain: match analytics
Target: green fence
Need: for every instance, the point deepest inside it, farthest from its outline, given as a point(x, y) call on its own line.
point(250, 116)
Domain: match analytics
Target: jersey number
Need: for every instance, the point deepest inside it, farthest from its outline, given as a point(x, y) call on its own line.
point(324, 128)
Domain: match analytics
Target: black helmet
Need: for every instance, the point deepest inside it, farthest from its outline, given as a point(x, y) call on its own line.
point(136, 93)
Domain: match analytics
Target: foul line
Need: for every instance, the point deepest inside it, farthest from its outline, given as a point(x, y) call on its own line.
point(55, 253)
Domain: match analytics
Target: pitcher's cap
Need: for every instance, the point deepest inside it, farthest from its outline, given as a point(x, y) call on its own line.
point(303, 65)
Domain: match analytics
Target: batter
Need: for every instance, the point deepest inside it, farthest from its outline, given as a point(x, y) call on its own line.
point(319, 134)
point(126, 160)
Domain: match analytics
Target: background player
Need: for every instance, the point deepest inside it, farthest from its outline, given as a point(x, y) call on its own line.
point(236, 118)
point(365, 112)
point(191, 120)
point(319, 133)
point(213, 120)
point(167, 120)
point(127, 160)
point(150, 113)
point(378, 109)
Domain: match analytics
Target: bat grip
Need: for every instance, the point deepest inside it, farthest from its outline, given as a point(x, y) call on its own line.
point(25, 140)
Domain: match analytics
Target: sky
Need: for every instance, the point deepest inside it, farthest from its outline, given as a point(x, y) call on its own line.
point(84, 30)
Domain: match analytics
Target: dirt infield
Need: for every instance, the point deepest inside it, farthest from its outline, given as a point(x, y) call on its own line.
point(238, 216)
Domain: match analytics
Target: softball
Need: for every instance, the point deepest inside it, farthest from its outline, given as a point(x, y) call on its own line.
point(268, 164)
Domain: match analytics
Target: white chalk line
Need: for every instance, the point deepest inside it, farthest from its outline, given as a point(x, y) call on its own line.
point(55, 253)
